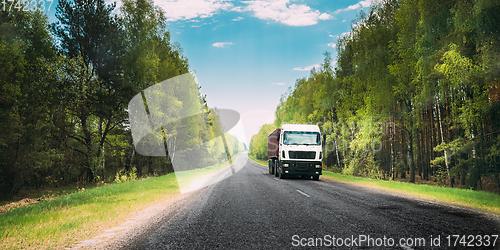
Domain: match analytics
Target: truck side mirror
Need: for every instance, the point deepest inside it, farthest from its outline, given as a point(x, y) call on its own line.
point(278, 137)
point(323, 143)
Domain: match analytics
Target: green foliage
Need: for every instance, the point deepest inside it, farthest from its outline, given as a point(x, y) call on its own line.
point(65, 89)
point(26, 53)
point(359, 161)
point(427, 74)
point(258, 144)
point(125, 176)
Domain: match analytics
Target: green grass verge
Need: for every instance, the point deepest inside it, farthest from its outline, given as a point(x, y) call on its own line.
point(65, 220)
point(60, 222)
point(480, 200)
point(253, 158)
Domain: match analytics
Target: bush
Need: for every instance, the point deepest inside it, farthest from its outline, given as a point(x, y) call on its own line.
point(124, 176)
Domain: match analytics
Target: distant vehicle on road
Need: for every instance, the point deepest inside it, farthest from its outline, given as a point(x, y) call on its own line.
point(295, 150)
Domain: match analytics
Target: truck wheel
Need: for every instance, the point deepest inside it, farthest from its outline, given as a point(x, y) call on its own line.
point(282, 175)
point(276, 170)
point(315, 177)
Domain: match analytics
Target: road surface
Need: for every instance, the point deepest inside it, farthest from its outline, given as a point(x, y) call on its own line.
point(254, 210)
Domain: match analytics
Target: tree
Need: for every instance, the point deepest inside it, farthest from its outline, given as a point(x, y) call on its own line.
point(27, 148)
point(91, 40)
point(428, 72)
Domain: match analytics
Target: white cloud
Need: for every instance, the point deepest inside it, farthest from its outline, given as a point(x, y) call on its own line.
point(348, 33)
point(339, 36)
point(237, 9)
point(284, 12)
point(278, 83)
point(324, 16)
point(222, 44)
point(307, 68)
point(360, 4)
point(237, 19)
point(189, 9)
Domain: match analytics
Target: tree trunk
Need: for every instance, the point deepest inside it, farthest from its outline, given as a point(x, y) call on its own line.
point(337, 153)
point(411, 159)
point(442, 139)
point(403, 156)
point(130, 159)
point(391, 129)
point(432, 137)
point(88, 173)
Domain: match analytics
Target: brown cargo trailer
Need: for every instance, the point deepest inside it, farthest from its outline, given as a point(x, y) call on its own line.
point(273, 149)
point(273, 144)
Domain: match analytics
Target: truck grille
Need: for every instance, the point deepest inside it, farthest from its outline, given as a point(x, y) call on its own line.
point(302, 155)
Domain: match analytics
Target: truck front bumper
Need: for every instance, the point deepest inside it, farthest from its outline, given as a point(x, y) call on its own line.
point(301, 167)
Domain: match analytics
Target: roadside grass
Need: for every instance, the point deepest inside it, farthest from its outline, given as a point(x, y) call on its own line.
point(62, 221)
point(480, 200)
point(43, 193)
point(253, 158)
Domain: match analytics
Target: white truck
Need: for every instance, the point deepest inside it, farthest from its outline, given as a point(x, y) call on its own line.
point(295, 150)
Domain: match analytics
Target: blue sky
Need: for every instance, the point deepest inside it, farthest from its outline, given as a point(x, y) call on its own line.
point(246, 54)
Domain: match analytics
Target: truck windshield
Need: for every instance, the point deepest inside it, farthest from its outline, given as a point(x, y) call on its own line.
point(301, 138)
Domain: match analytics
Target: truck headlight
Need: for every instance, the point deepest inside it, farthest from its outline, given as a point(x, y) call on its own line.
point(285, 164)
point(318, 166)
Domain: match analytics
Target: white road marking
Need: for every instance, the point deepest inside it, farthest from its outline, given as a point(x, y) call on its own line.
point(275, 179)
point(303, 193)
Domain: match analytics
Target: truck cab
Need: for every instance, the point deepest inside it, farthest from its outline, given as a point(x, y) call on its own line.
point(295, 150)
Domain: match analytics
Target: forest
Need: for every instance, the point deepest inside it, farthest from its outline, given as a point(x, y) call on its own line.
point(412, 95)
point(65, 89)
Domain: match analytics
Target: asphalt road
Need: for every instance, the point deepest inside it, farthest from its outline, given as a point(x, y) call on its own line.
point(254, 210)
